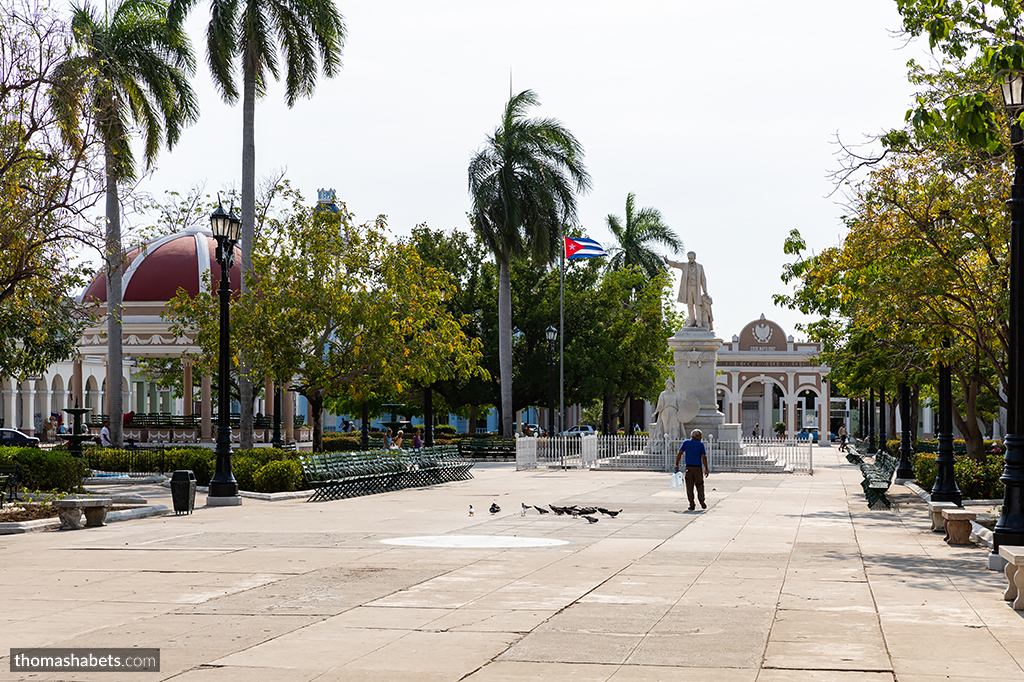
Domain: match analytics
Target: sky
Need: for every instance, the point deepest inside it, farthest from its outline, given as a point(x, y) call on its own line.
point(723, 116)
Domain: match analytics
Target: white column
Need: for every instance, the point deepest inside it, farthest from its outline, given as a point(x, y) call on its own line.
point(10, 403)
point(767, 395)
point(31, 407)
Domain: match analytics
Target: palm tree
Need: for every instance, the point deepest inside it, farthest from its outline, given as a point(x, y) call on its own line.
point(523, 183)
point(245, 30)
point(129, 67)
point(642, 227)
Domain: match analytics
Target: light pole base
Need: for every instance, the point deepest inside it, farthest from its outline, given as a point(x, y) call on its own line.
point(233, 501)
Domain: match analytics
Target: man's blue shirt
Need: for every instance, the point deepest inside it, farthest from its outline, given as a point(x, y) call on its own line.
point(692, 451)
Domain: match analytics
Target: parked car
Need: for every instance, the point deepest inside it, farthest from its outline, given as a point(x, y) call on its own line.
point(580, 430)
point(532, 430)
point(17, 438)
point(808, 433)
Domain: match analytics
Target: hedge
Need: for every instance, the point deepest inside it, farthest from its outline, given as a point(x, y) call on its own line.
point(48, 470)
point(976, 481)
point(246, 465)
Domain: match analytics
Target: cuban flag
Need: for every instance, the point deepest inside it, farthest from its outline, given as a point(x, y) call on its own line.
point(583, 248)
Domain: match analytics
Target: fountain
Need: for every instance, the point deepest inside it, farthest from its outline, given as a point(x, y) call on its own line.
point(395, 424)
point(76, 437)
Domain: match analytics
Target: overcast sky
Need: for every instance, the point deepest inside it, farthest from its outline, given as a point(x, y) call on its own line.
point(721, 115)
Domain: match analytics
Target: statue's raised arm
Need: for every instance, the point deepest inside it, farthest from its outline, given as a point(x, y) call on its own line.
point(693, 291)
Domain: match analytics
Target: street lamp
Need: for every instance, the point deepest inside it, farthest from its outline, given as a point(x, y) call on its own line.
point(871, 423)
point(226, 228)
point(1009, 529)
point(905, 470)
point(944, 489)
point(552, 335)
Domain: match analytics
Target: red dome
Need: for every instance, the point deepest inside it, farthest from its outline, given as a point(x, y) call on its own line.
point(156, 271)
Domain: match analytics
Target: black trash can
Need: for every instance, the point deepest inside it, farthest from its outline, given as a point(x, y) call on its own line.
point(183, 491)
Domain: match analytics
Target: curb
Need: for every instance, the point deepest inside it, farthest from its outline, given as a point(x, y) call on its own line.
point(265, 497)
point(19, 527)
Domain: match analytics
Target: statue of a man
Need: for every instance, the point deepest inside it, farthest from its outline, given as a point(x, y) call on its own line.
point(667, 413)
point(692, 289)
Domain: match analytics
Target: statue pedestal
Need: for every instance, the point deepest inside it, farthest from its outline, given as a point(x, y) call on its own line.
point(695, 352)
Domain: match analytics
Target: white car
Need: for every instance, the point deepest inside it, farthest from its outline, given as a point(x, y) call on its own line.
point(580, 430)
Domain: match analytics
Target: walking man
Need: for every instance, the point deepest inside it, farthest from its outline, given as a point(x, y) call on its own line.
point(695, 458)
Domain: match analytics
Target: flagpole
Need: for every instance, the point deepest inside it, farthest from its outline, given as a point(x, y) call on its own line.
point(561, 333)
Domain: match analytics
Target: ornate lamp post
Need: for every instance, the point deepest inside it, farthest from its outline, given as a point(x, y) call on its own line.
point(226, 228)
point(883, 435)
point(278, 440)
point(905, 470)
point(552, 335)
point(1009, 529)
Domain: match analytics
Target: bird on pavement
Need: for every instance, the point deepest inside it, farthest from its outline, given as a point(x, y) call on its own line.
point(470, 510)
point(523, 513)
point(612, 514)
point(542, 510)
point(558, 510)
point(495, 508)
point(590, 518)
point(586, 510)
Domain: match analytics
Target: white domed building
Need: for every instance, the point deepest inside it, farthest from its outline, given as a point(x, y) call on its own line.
point(152, 275)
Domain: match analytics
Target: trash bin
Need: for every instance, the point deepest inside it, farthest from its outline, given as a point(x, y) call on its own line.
point(183, 491)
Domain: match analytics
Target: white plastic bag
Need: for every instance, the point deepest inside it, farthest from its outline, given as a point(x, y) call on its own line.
point(676, 480)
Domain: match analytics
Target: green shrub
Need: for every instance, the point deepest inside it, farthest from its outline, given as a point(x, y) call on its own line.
point(279, 476)
point(446, 430)
point(46, 469)
point(976, 481)
point(244, 468)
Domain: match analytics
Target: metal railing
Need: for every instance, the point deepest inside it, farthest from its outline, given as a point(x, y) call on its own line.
point(639, 453)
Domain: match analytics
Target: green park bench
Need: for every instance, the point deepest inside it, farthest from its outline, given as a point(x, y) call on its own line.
point(488, 448)
point(877, 479)
point(337, 475)
point(10, 481)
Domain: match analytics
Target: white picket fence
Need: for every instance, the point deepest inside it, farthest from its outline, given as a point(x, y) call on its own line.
point(637, 453)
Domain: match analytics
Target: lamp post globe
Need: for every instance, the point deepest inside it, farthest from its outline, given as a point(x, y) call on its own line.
point(1009, 528)
point(223, 486)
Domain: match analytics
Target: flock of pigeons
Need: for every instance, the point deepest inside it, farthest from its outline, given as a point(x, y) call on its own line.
point(573, 510)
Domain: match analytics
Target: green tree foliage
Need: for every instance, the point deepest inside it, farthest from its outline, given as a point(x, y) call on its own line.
point(339, 310)
point(641, 229)
point(523, 184)
point(46, 181)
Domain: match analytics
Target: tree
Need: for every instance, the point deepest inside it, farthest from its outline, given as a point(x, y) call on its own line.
point(47, 183)
point(310, 35)
point(523, 185)
point(130, 66)
point(641, 228)
point(341, 312)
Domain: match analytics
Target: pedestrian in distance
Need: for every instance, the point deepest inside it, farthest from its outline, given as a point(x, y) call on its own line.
point(842, 438)
point(417, 443)
point(695, 459)
point(387, 438)
point(397, 444)
point(105, 435)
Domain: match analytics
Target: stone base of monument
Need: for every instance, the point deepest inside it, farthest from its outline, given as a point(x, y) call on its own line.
point(695, 352)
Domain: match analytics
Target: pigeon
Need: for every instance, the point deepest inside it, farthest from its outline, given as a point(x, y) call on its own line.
point(558, 510)
point(587, 510)
point(612, 514)
point(495, 508)
point(524, 509)
point(542, 510)
point(590, 518)
point(470, 510)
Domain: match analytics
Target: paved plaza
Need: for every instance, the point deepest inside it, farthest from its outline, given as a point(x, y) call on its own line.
point(785, 578)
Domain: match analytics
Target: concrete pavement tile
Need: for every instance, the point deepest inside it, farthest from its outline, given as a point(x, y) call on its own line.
point(312, 648)
point(388, 617)
point(240, 674)
point(516, 671)
point(957, 669)
point(654, 673)
point(572, 647)
point(694, 650)
point(812, 654)
point(587, 617)
point(455, 654)
point(469, 619)
point(770, 675)
point(826, 595)
point(726, 592)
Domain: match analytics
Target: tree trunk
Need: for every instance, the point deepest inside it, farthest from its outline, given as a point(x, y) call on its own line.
point(505, 345)
point(115, 361)
point(248, 227)
point(967, 424)
point(915, 413)
point(315, 404)
point(471, 422)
